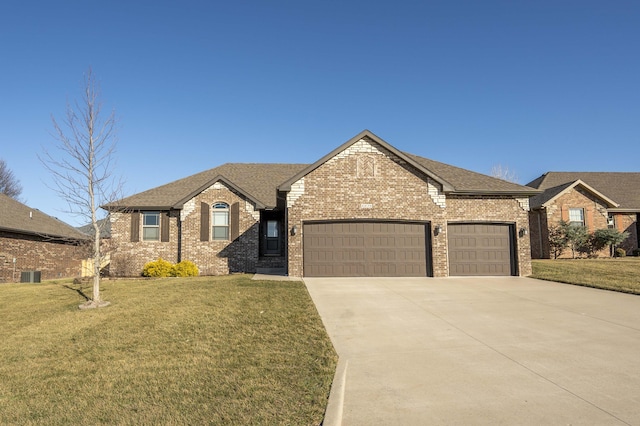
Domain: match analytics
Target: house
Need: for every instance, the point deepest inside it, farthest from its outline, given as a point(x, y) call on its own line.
point(596, 200)
point(33, 241)
point(364, 209)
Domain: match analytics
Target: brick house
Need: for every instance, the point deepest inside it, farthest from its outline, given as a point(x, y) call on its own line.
point(33, 241)
point(596, 200)
point(365, 209)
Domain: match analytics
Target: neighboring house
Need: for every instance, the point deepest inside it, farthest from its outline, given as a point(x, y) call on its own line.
point(104, 225)
point(33, 241)
point(596, 200)
point(365, 209)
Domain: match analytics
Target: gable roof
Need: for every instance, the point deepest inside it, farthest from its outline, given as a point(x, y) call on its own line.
point(260, 182)
point(17, 217)
point(551, 194)
point(621, 189)
point(454, 180)
point(255, 181)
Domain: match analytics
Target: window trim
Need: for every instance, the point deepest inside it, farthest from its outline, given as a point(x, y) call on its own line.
point(220, 207)
point(580, 222)
point(145, 226)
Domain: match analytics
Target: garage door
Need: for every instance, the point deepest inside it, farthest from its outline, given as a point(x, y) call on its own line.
point(365, 249)
point(480, 249)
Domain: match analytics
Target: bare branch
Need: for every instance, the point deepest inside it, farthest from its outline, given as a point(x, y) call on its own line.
point(9, 184)
point(505, 173)
point(82, 162)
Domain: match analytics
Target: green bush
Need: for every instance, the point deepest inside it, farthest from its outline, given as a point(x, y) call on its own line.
point(185, 268)
point(636, 252)
point(620, 252)
point(158, 268)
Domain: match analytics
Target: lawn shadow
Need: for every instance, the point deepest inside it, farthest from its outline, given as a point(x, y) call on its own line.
point(79, 291)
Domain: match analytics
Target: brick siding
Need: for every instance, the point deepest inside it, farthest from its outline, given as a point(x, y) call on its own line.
point(595, 217)
point(55, 259)
point(211, 257)
point(389, 190)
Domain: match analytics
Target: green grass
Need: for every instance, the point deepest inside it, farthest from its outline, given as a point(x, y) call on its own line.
point(223, 350)
point(619, 274)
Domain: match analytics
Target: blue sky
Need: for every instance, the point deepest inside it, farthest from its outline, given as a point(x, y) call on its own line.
point(531, 85)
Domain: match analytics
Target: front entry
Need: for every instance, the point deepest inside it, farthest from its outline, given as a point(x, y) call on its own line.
point(271, 238)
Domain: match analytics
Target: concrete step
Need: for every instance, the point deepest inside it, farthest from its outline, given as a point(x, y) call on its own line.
point(271, 271)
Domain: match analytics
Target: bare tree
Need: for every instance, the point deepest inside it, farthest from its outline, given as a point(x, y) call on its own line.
point(82, 166)
point(9, 184)
point(504, 172)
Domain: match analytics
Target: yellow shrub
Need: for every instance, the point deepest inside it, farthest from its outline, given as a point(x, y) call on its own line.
point(185, 268)
point(158, 268)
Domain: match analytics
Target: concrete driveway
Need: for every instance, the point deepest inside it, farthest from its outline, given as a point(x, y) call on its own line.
point(425, 351)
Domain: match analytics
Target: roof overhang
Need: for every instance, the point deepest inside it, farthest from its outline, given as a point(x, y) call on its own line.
point(526, 194)
point(81, 237)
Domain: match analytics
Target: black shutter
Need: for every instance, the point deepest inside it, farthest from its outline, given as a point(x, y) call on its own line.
point(235, 221)
point(135, 227)
point(164, 227)
point(204, 222)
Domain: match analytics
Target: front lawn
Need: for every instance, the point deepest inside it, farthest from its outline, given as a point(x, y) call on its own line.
point(223, 350)
point(620, 274)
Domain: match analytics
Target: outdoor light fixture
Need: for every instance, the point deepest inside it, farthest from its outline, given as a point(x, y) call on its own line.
point(523, 232)
point(294, 230)
point(437, 229)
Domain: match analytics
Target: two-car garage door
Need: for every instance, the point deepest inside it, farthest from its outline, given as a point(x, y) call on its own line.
point(365, 249)
point(361, 248)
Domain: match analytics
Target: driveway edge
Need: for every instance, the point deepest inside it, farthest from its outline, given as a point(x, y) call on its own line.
point(333, 412)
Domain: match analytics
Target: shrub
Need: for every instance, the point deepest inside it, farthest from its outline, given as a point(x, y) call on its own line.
point(620, 252)
point(158, 268)
point(636, 252)
point(185, 268)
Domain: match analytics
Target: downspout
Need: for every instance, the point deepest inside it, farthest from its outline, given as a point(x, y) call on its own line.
point(540, 235)
point(179, 223)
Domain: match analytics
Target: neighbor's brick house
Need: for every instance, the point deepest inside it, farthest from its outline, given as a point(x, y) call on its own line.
point(366, 208)
point(33, 241)
point(596, 200)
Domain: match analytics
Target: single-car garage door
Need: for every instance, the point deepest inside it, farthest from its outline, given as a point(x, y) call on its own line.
point(480, 249)
point(365, 249)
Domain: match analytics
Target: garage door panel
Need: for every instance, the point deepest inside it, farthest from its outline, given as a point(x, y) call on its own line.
point(365, 249)
point(480, 249)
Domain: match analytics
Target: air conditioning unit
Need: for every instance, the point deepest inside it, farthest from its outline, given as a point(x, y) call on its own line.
point(30, 276)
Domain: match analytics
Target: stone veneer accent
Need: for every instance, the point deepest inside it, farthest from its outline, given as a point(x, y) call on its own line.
point(334, 191)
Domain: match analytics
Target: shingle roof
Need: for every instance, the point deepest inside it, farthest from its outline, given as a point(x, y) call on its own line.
point(453, 179)
point(260, 182)
point(621, 187)
point(17, 217)
point(466, 181)
point(103, 224)
point(257, 181)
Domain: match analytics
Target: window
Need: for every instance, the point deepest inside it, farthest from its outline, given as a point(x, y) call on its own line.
point(272, 229)
point(220, 221)
point(150, 226)
point(576, 217)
